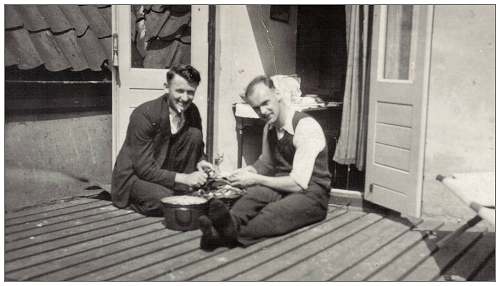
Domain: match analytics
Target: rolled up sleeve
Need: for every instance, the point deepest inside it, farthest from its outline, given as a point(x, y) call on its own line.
point(308, 141)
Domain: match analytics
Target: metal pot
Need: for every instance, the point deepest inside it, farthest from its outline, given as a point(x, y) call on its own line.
point(182, 215)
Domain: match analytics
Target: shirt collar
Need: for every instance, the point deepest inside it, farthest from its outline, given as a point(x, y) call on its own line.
point(288, 127)
point(174, 113)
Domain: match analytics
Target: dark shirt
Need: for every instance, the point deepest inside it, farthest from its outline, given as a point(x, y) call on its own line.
point(145, 148)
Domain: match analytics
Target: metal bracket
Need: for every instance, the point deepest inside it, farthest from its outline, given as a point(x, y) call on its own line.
point(114, 55)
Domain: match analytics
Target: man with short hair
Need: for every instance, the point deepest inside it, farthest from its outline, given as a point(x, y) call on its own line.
point(163, 150)
point(288, 187)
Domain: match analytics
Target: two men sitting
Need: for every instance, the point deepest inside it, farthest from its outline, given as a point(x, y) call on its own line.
point(288, 186)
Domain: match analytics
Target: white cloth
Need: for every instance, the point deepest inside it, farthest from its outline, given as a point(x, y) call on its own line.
point(288, 86)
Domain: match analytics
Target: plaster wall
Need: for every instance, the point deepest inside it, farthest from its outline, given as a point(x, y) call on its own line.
point(44, 158)
point(461, 108)
point(248, 44)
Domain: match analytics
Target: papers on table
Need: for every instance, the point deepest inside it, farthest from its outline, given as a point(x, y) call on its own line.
point(245, 110)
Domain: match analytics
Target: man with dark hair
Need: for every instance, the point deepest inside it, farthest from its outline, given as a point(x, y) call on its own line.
point(163, 150)
point(288, 187)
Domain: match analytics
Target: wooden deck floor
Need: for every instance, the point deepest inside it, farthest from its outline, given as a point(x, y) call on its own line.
point(90, 240)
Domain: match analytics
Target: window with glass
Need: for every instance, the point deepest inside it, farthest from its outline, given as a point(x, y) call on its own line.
point(398, 42)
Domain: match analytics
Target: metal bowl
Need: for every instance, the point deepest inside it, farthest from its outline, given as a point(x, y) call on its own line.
point(182, 212)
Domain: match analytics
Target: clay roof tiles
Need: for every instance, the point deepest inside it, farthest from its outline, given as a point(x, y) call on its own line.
point(60, 37)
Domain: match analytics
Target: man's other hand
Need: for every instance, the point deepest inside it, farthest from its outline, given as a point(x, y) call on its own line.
point(204, 166)
point(243, 178)
point(195, 179)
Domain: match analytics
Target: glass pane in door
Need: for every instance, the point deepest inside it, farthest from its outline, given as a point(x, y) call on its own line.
point(398, 39)
point(161, 35)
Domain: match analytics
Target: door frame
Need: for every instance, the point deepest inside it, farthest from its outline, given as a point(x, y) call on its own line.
point(206, 25)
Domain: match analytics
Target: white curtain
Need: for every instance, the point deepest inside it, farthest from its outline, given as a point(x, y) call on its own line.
point(351, 146)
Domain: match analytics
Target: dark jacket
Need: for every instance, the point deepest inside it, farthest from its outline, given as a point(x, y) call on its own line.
point(145, 148)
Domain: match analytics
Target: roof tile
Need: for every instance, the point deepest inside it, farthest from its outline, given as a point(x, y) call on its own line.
point(32, 18)
point(50, 52)
point(12, 18)
point(19, 45)
point(97, 22)
point(58, 36)
point(55, 18)
point(77, 19)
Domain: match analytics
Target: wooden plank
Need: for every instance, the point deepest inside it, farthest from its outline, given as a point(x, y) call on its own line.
point(362, 269)
point(412, 258)
point(64, 263)
point(146, 271)
point(263, 255)
point(183, 267)
point(35, 218)
point(79, 222)
point(102, 222)
point(294, 255)
point(47, 208)
point(443, 262)
point(394, 113)
point(83, 246)
point(487, 271)
point(393, 157)
point(142, 253)
point(393, 135)
point(72, 240)
point(327, 264)
point(43, 223)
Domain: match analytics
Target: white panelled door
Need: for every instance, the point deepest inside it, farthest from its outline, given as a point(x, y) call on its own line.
point(397, 106)
point(133, 86)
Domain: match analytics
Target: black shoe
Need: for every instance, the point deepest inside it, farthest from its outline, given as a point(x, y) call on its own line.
point(222, 221)
point(210, 240)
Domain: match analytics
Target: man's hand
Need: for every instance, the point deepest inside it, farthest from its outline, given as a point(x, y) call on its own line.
point(195, 179)
point(243, 178)
point(204, 166)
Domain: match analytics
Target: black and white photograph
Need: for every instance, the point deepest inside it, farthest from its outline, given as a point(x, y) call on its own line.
point(249, 142)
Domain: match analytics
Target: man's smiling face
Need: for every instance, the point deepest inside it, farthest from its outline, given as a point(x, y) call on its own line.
point(181, 93)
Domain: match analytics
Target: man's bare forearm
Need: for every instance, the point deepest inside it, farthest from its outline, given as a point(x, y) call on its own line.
point(285, 183)
point(250, 169)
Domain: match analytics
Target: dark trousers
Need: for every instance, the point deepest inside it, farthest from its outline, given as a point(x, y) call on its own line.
point(264, 212)
point(185, 151)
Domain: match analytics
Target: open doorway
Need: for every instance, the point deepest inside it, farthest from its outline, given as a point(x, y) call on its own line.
point(321, 63)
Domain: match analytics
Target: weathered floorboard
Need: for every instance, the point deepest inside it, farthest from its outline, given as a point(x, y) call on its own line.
point(313, 247)
point(108, 266)
point(333, 260)
point(186, 270)
point(121, 223)
point(64, 217)
point(99, 224)
point(54, 213)
point(411, 259)
point(255, 259)
point(78, 222)
point(83, 245)
point(47, 208)
point(24, 267)
point(487, 270)
point(91, 240)
point(443, 264)
point(362, 268)
point(64, 264)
